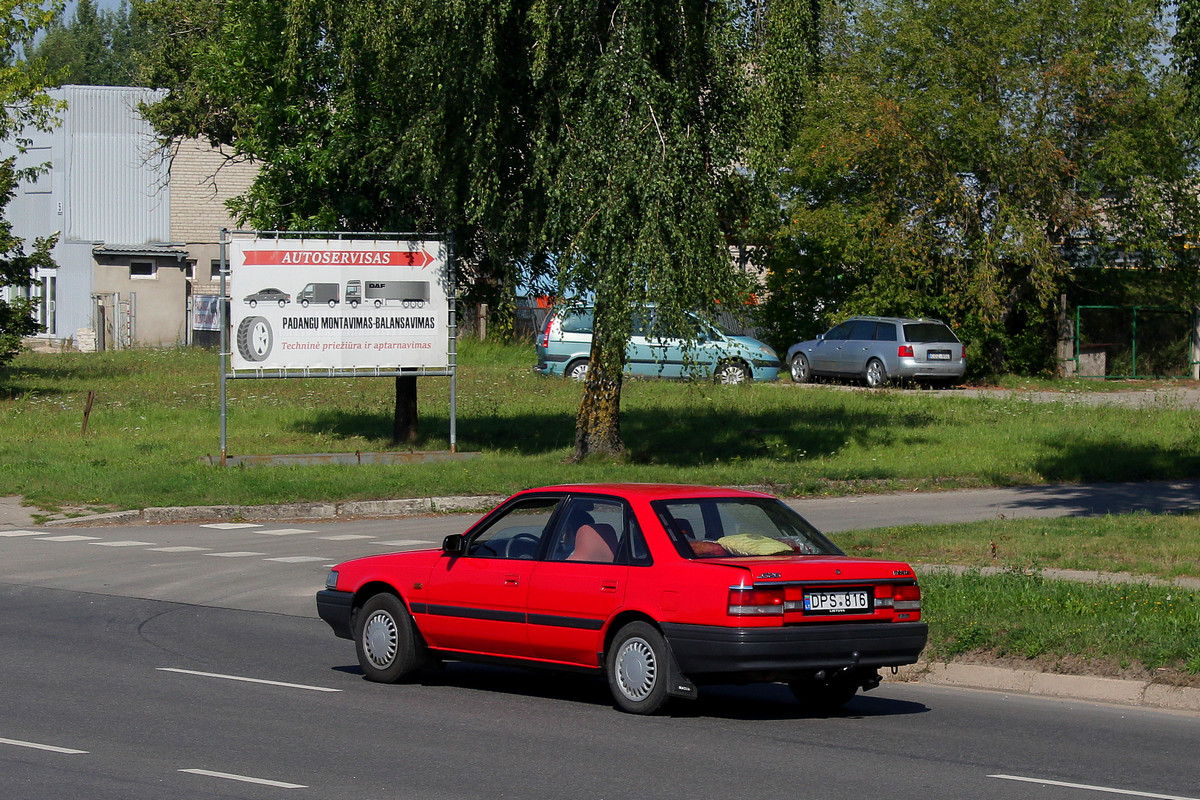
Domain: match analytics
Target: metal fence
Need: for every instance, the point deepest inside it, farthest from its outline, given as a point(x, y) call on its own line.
point(1134, 342)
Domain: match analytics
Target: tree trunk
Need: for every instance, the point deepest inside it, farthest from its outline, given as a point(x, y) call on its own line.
point(404, 424)
point(598, 424)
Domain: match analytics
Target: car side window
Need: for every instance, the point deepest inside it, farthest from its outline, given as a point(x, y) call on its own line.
point(517, 533)
point(838, 332)
point(577, 322)
point(591, 530)
point(640, 323)
point(886, 332)
point(863, 329)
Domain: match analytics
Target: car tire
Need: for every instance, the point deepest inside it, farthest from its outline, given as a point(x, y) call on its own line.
point(253, 303)
point(255, 339)
point(577, 370)
point(799, 369)
point(732, 373)
point(823, 696)
point(283, 303)
point(386, 641)
point(638, 668)
point(876, 375)
point(304, 303)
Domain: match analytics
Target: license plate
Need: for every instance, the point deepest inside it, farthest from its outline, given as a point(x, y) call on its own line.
point(854, 601)
point(939, 355)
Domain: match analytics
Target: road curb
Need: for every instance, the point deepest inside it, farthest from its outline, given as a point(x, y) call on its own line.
point(1048, 684)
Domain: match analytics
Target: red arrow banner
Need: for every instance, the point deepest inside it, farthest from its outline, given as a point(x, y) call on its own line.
point(338, 258)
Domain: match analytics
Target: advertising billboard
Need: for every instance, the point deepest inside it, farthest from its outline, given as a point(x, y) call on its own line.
point(339, 304)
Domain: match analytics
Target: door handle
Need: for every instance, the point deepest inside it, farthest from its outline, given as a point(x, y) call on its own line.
point(512, 580)
point(608, 586)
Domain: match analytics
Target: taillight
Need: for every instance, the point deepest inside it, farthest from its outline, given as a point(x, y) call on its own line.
point(747, 601)
point(906, 597)
point(546, 333)
point(904, 351)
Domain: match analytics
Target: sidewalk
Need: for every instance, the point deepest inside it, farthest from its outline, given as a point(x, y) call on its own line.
point(973, 676)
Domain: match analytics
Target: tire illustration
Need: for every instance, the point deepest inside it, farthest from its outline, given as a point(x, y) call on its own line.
point(638, 668)
point(388, 647)
point(876, 375)
point(255, 338)
point(254, 304)
point(799, 368)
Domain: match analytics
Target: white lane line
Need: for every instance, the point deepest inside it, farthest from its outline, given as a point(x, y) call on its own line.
point(122, 543)
point(247, 680)
point(69, 537)
point(296, 559)
point(1088, 787)
point(235, 554)
point(10, 534)
point(179, 548)
point(406, 543)
point(230, 526)
point(283, 532)
point(345, 537)
point(37, 746)
point(244, 779)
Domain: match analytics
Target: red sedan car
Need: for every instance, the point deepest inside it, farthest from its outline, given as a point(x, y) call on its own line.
point(660, 587)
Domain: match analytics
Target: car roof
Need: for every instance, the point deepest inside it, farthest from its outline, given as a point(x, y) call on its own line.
point(893, 319)
point(648, 491)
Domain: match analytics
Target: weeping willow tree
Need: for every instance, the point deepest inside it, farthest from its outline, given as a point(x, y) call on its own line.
point(639, 120)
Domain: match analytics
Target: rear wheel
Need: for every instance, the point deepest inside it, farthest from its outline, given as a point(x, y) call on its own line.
point(577, 370)
point(637, 667)
point(799, 368)
point(876, 374)
point(385, 639)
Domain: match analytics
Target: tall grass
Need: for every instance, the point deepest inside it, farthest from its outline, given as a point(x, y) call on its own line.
point(155, 423)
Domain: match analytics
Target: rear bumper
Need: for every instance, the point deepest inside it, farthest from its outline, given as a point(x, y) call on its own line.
point(710, 650)
point(911, 368)
point(337, 608)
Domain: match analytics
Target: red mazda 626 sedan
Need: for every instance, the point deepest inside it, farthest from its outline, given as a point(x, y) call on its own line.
point(660, 587)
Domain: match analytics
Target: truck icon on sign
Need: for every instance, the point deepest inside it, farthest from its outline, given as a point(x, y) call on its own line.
point(318, 293)
point(409, 294)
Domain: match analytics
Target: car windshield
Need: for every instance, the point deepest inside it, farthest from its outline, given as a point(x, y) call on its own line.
point(928, 333)
point(721, 527)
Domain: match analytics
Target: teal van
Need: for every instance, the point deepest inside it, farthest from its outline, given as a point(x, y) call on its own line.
point(565, 345)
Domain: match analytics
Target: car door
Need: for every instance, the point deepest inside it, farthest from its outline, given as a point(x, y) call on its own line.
point(477, 601)
point(826, 353)
point(642, 355)
point(858, 347)
point(581, 582)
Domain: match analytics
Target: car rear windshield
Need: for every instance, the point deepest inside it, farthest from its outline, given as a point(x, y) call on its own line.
point(739, 527)
point(928, 333)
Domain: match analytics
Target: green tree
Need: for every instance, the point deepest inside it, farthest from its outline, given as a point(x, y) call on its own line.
point(24, 104)
point(958, 158)
point(94, 47)
point(637, 136)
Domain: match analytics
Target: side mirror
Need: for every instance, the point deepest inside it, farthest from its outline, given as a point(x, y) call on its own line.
point(820, 337)
point(454, 545)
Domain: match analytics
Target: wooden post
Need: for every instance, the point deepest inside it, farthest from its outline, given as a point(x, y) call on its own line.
point(87, 412)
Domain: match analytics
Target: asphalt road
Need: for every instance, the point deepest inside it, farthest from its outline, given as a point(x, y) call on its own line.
point(183, 661)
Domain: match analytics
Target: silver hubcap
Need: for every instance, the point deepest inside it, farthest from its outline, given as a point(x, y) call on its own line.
point(637, 669)
point(731, 375)
point(874, 373)
point(799, 370)
point(578, 372)
point(260, 338)
point(380, 639)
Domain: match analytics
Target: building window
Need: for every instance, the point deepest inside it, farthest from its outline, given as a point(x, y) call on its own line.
point(189, 269)
point(142, 269)
point(215, 270)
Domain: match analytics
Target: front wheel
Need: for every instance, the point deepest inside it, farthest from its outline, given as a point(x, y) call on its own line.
point(637, 667)
point(384, 638)
point(876, 374)
point(732, 373)
point(799, 368)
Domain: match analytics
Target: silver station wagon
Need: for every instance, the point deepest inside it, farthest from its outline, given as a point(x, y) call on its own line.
point(880, 349)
